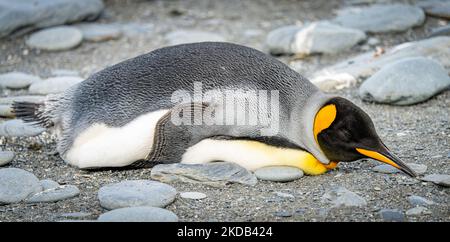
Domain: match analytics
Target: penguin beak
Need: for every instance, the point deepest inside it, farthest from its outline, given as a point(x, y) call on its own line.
point(386, 156)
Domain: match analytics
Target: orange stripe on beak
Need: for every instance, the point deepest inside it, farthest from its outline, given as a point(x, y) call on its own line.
point(377, 156)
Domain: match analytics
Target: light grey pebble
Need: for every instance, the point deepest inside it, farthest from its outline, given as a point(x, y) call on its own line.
point(216, 174)
point(16, 185)
point(342, 197)
point(441, 31)
point(313, 38)
point(392, 215)
point(436, 8)
point(419, 201)
point(99, 32)
point(138, 214)
point(193, 195)
point(17, 80)
point(6, 156)
point(386, 169)
point(284, 195)
point(417, 211)
point(55, 38)
point(48, 184)
point(396, 17)
point(283, 214)
point(18, 128)
point(373, 41)
point(279, 173)
point(54, 194)
point(134, 193)
point(64, 72)
point(407, 81)
point(29, 15)
point(420, 169)
point(439, 179)
point(54, 85)
point(192, 36)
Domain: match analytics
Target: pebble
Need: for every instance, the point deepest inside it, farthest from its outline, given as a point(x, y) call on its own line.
point(193, 195)
point(216, 174)
point(439, 179)
point(365, 65)
point(313, 38)
point(283, 214)
point(278, 173)
point(373, 41)
point(284, 195)
point(441, 31)
point(436, 8)
point(6, 156)
point(48, 184)
point(17, 80)
point(386, 169)
point(396, 17)
point(38, 14)
point(420, 169)
point(377, 188)
point(342, 197)
point(99, 32)
point(191, 36)
point(138, 214)
point(75, 215)
point(55, 38)
point(405, 82)
point(18, 128)
point(16, 185)
point(417, 211)
point(55, 194)
point(419, 201)
point(392, 215)
point(134, 193)
point(54, 85)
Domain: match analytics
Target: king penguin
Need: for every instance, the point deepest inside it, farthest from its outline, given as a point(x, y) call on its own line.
point(123, 115)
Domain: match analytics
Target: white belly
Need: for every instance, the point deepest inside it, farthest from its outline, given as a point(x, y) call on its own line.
point(103, 146)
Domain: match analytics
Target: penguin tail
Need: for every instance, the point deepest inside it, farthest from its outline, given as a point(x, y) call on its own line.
point(32, 113)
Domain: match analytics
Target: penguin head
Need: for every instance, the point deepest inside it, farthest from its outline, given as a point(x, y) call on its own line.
point(345, 132)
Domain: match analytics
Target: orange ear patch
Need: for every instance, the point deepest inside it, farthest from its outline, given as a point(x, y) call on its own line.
point(324, 118)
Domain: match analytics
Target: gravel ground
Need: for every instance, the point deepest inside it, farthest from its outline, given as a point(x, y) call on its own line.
point(426, 125)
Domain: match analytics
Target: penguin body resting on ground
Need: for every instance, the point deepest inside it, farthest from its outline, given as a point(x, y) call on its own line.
point(124, 115)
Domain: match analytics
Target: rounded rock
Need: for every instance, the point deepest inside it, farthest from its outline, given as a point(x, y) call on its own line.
point(99, 32)
point(18, 128)
point(193, 195)
point(48, 184)
point(16, 185)
point(55, 39)
point(6, 157)
point(17, 80)
point(279, 173)
point(55, 194)
point(134, 193)
point(138, 214)
point(54, 85)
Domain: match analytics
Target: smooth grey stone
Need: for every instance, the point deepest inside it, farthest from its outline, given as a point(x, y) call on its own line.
point(6, 156)
point(54, 85)
point(48, 184)
point(28, 15)
point(365, 65)
point(17, 80)
point(192, 36)
point(284, 195)
point(99, 32)
point(193, 195)
point(419, 201)
point(136, 29)
point(313, 38)
point(341, 197)
point(436, 8)
point(279, 173)
point(420, 169)
point(392, 215)
point(283, 214)
point(387, 169)
point(215, 174)
point(416, 211)
point(439, 179)
point(138, 214)
point(54, 194)
point(380, 18)
point(55, 38)
point(16, 185)
point(134, 193)
point(64, 72)
point(441, 31)
point(18, 128)
point(404, 82)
